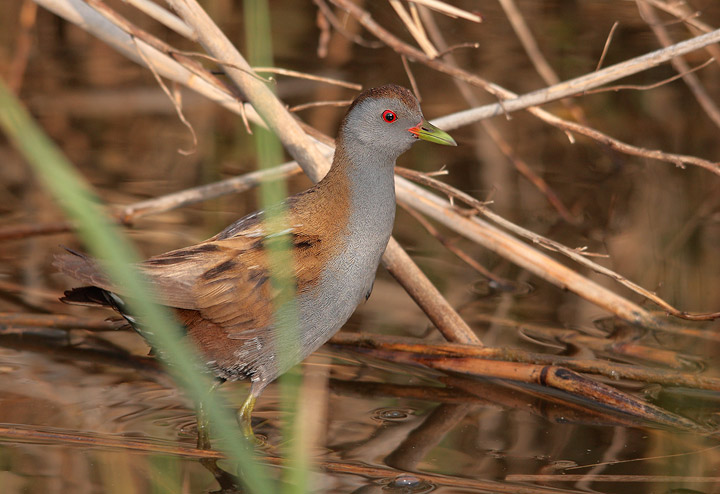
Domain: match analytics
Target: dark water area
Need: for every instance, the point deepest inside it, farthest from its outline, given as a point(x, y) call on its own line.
point(69, 400)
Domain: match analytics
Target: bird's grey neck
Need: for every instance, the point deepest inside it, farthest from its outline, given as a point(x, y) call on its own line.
point(372, 191)
point(349, 276)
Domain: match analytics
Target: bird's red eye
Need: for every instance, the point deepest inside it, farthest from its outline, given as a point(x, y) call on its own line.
point(389, 116)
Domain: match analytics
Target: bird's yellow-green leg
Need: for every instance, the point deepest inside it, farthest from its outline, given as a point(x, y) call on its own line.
point(203, 439)
point(245, 412)
point(245, 416)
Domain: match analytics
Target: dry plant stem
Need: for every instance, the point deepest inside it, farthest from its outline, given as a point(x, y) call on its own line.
point(375, 390)
point(690, 18)
point(606, 47)
point(128, 214)
point(517, 21)
point(176, 101)
point(440, 312)
point(678, 160)
point(453, 248)
point(530, 259)
point(89, 19)
point(113, 443)
point(522, 167)
point(78, 12)
point(512, 102)
point(16, 232)
point(620, 87)
point(433, 429)
point(23, 45)
point(574, 254)
point(659, 480)
point(83, 15)
point(411, 78)
point(166, 18)
point(447, 9)
point(542, 67)
point(613, 347)
point(24, 290)
point(56, 321)
point(611, 370)
point(415, 30)
point(553, 408)
point(310, 77)
point(553, 377)
point(62, 348)
point(338, 103)
point(526, 171)
point(681, 66)
point(314, 163)
point(272, 111)
point(328, 14)
point(146, 37)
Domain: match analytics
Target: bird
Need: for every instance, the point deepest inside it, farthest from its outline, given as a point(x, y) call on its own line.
point(220, 289)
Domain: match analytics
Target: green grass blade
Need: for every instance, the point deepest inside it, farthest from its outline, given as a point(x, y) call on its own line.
point(279, 251)
point(105, 241)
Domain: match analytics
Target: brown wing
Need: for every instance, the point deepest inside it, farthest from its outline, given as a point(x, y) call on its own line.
point(228, 282)
point(82, 268)
point(225, 279)
point(232, 311)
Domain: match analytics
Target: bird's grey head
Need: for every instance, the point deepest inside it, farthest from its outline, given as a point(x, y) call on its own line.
point(381, 121)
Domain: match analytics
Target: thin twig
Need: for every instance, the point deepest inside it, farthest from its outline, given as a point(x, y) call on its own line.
point(454, 248)
point(163, 16)
point(512, 102)
point(543, 266)
point(520, 165)
point(310, 77)
point(335, 22)
point(411, 78)
point(691, 18)
point(415, 29)
point(421, 289)
point(606, 47)
point(314, 104)
point(175, 100)
point(681, 66)
point(23, 45)
point(646, 87)
point(448, 10)
point(612, 370)
point(458, 46)
point(78, 12)
point(273, 112)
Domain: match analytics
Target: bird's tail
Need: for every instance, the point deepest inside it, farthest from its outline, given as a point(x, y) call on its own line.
point(86, 295)
point(82, 268)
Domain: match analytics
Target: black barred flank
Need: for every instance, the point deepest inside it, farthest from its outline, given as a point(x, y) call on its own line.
point(206, 248)
point(181, 255)
point(219, 269)
point(260, 281)
point(164, 261)
point(306, 244)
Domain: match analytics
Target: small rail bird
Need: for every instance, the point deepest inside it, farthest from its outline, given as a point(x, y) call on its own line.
point(220, 288)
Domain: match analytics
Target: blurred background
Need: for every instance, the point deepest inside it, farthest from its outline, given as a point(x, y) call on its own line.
point(658, 224)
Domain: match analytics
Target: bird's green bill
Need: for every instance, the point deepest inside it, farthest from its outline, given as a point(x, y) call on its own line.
point(428, 132)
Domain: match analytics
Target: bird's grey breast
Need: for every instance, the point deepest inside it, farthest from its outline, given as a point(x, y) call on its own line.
point(349, 276)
